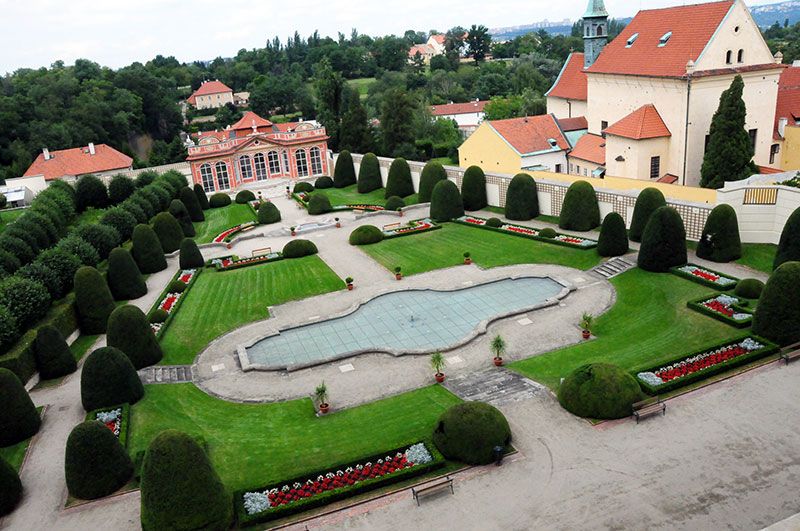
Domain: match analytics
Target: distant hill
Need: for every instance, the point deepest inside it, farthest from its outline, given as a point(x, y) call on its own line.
point(767, 15)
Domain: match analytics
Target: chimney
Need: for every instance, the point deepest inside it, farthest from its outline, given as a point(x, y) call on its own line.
point(46, 153)
point(91, 148)
point(782, 123)
point(778, 57)
point(690, 67)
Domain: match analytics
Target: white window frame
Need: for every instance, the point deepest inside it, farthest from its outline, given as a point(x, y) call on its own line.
point(245, 167)
point(207, 177)
point(301, 163)
point(274, 161)
point(316, 161)
point(261, 167)
point(223, 176)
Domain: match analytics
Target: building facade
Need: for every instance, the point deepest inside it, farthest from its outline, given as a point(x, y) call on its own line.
point(468, 116)
point(212, 95)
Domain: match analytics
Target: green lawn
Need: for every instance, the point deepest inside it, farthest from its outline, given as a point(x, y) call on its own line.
point(222, 301)
point(362, 85)
point(349, 195)
point(255, 444)
point(9, 216)
point(446, 247)
point(543, 218)
point(14, 455)
point(649, 323)
point(80, 347)
point(758, 256)
point(90, 216)
point(218, 220)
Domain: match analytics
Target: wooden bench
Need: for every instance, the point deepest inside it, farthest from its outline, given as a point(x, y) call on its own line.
point(261, 252)
point(248, 228)
point(435, 486)
point(648, 408)
point(790, 353)
point(391, 226)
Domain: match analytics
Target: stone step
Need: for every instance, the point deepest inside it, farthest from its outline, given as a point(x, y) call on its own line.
point(613, 267)
point(494, 385)
point(166, 374)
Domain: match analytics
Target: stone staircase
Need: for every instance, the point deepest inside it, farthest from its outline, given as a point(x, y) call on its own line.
point(494, 385)
point(166, 374)
point(614, 267)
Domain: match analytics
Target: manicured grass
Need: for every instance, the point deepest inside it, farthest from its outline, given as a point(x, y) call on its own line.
point(362, 85)
point(222, 301)
point(254, 444)
point(218, 220)
point(543, 218)
point(15, 455)
point(90, 216)
point(81, 346)
point(446, 247)
point(649, 323)
point(349, 195)
point(758, 256)
point(9, 216)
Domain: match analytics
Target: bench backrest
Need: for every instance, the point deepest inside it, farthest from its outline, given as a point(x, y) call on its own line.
point(644, 403)
point(391, 226)
point(261, 252)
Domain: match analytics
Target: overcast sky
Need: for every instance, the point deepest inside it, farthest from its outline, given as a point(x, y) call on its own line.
point(115, 33)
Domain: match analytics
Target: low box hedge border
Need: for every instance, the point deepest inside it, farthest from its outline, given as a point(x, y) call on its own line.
point(769, 348)
point(125, 421)
point(707, 283)
point(435, 226)
point(331, 496)
point(697, 305)
point(239, 263)
point(528, 236)
point(178, 303)
point(342, 208)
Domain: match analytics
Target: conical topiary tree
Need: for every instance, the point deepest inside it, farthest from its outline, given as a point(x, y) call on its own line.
point(19, 419)
point(789, 245)
point(180, 488)
point(130, 332)
point(147, 250)
point(192, 204)
point(102, 237)
point(268, 213)
point(399, 181)
point(473, 189)
point(432, 173)
point(108, 378)
point(369, 174)
point(202, 198)
point(580, 210)
point(522, 200)
point(93, 300)
point(663, 242)
point(777, 316)
point(190, 257)
point(53, 356)
point(446, 201)
point(90, 192)
point(648, 201)
point(95, 463)
point(168, 230)
point(124, 278)
point(720, 241)
point(179, 212)
point(344, 173)
point(10, 488)
point(613, 239)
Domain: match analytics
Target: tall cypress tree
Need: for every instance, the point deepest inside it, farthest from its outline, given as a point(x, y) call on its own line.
point(729, 156)
point(355, 134)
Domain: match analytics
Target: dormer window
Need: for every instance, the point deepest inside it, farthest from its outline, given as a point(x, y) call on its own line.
point(631, 40)
point(664, 39)
point(553, 142)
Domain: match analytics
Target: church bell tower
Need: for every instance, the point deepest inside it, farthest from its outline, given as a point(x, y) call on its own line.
point(595, 31)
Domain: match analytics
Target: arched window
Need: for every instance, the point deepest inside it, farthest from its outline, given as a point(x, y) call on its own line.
point(729, 57)
point(223, 181)
point(316, 161)
point(207, 176)
point(740, 56)
point(274, 163)
point(302, 162)
point(261, 166)
point(245, 167)
point(285, 155)
point(600, 31)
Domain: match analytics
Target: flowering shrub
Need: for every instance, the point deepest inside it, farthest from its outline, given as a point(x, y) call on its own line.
point(227, 235)
point(530, 232)
point(413, 227)
point(725, 308)
point(705, 276)
point(169, 300)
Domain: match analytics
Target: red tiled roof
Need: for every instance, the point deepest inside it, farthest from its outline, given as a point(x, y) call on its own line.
point(571, 82)
point(788, 105)
point(458, 108)
point(764, 170)
point(591, 148)
point(78, 161)
point(644, 122)
point(692, 27)
point(422, 49)
point(531, 134)
point(668, 179)
point(209, 87)
point(440, 38)
point(573, 124)
point(248, 120)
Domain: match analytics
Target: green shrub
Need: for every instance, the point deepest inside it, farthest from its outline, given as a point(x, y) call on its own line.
point(202, 198)
point(102, 237)
point(129, 331)
point(394, 203)
point(613, 239)
point(10, 488)
point(76, 245)
point(168, 231)
point(178, 211)
point(54, 359)
point(93, 301)
point(45, 224)
point(469, 431)
point(9, 330)
point(120, 188)
point(157, 316)
point(663, 242)
point(63, 264)
point(648, 201)
point(789, 244)
point(219, 200)
point(19, 419)
point(319, 204)
point(147, 251)
point(108, 379)
point(192, 203)
point(432, 173)
point(145, 178)
point(124, 278)
point(599, 391)
point(473, 189)
point(446, 201)
point(777, 316)
point(9, 262)
point(580, 210)
point(40, 273)
point(180, 488)
point(548, 233)
point(268, 213)
point(303, 187)
point(190, 256)
point(369, 174)
point(28, 301)
point(522, 200)
point(366, 235)
point(134, 208)
point(299, 249)
point(90, 192)
point(495, 223)
point(95, 463)
point(178, 179)
point(720, 241)
point(749, 288)
point(33, 236)
point(323, 183)
point(399, 181)
point(245, 196)
point(344, 173)
point(153, 199)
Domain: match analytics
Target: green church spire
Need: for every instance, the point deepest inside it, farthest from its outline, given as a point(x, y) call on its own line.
point(596, 8)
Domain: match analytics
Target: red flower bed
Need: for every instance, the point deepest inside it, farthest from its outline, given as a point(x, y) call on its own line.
point(718, 307)
point(475, 221)
point(168, 302)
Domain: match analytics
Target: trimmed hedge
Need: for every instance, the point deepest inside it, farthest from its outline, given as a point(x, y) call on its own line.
point(19, 419)
point(323, 183)
point(777, 316)
point(394, 203)
point(697, 305)
point(40, 273)
point(90, 192)
point(219, 200)
point(245, 196)
point(102, 237)
point(64, 265)
point(613, 240)
point(344, 173)
point(749, 288)
point(28, 301)
point(202, 198)
point(720, 241)
point(446, 201)
point(93, 301)
point(121, 220)
point(319, 204)
point(705, 282)
point(369, 174)
point(299, 249)
point(663, 242)
point(108, 378)
point(145, 178)
point(469, 431)
point(580, 210)
point(648, 201)
point(789, 244)
point(599, 391)
point(95, 463)
point(522, 199)
point(473, 189)
point(9, 330)
point(168, 231)
point(8, 262)
point(76, 245)
point(366, 235)
point(303, 186)
point(124, 278)
point(120, 188)
point(147, 250)
point(10, 488)
point(190, 255)
point(495, 223)
point(54, 359)
point(190, 201)
point(178, 210)
point(130, 332)
point(268, 213)
point(399, 181)
point(432, 173)
point(134, 208)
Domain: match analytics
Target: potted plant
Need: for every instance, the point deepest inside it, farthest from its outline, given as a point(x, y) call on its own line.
point(293, 231)
point(398, 274)
point(587, 320)
point(288, 192)
point(437, 363)
point(467, 258)
point(498, 346)
point(338, 223)
point(321, 395)
point(349, 282)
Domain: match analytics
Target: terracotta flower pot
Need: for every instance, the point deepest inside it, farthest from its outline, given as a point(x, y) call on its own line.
point(228, 246)
point(400, 212)
point(294, 233)
point(338, 225)
point(467, 261)
point(498, 362)
point(350, 287)
point(439, 377)
point(398, 276)
point(323, 408)
point(586, 334)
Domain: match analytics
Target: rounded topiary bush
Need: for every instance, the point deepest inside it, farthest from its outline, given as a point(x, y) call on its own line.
point(9, 329)
point(120, 188)
point(145, 178)
point(648, 201)
point(599, 391)
point(394, 203)
point(102, 237)
point(147, 251)
point(176, 286)
point(108, 379)
point(178, 210)
point(40, 273)
point(777, 316)
point(124, 278)
point(180, 488)
point(303, 187)
point(494, 223)
point(399, 181)
point(299, 249)
point(81, 248)
point(446, 201)
point(323, 182)
point(17, 246)
point(522, 199)
point(268, 213)
point(134, 208)
point(121, 220)
point(168, 231)
point(93, 301)
point(580, 210)
point(789, 244)
point(130, 332)
point(10, 488)
point(468, 432)
point(95, 463)
point(202, 198)
point(219, 200)
point(53, 357)
point(158, 316)
point(369, 174)
point(613, 239)
point(663, 242)
point(27, 300)
point(8, 261)
point(190, 255)
point(19, 419)
point(245, 196)
point(720, 241)
point(432, 173)
point(192, 204)
point(749, 288)
point(473, 189)
point(344, 173)
point(63, 264)
point(90, 192)
point(366, 235)
point(319, 204)
point(548, 233)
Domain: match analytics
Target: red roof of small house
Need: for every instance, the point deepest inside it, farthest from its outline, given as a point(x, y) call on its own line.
point(571, 82)
point(422, 49)
point(691, 29)
point(643, 123)
point(79, 161)
point(668, 179)
point(591, 148)
point(440, 38)
point(531, 134)
point(788, 105)
point(249, 120)
point(209, 87)
point(573, 124)
point(458, 108)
